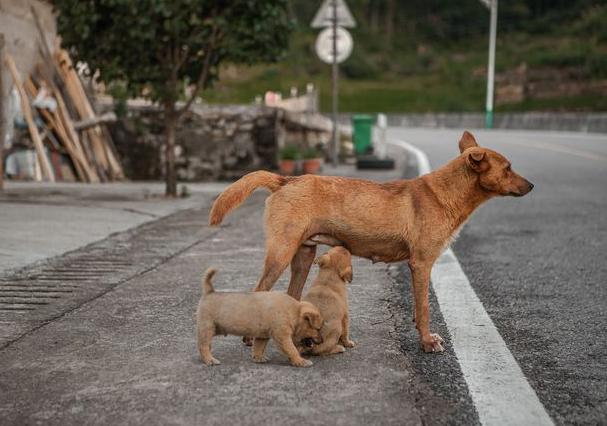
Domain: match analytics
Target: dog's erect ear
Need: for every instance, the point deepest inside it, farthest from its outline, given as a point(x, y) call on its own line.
point(476, 161)
point(346, 274)
point(323, 260)
point(466, 141)
point(311, 314)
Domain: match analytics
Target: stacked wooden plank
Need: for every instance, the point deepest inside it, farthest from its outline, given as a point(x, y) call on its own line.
point(71, 130)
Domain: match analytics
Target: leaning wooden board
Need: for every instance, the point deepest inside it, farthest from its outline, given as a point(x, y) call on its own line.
point(27, 114)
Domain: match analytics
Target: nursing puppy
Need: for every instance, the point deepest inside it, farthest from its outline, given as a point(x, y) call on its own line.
point(329, 294)
point(262, 315)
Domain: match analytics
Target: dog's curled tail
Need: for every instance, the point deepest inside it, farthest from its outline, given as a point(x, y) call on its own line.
point(240, 190)
point(207, 282)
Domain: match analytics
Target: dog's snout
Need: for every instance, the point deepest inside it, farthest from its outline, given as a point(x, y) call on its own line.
point(530, 185)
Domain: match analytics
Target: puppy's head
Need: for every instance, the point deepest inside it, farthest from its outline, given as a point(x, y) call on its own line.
point(310, 323)
point(494, 171)
point(339, 259)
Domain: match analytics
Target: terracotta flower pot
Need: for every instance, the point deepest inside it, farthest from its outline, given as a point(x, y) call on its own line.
point(312, 166)
point(287, 167)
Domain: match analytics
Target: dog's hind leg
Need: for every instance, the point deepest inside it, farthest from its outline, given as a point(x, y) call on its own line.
point(279, 253)
point(278, 256)
point(330, 345)
point(205, 336)
point(300, 267)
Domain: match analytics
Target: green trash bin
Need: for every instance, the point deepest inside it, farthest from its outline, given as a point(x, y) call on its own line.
point(362, 126)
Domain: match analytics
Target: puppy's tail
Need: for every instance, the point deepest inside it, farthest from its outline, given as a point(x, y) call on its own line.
point(240, 190)
point(207, 284)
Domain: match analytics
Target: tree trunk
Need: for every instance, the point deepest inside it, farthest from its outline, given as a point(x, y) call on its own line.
point(389, 25)
point(170, 176)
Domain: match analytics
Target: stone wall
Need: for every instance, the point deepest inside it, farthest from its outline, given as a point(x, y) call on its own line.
point(213, 142)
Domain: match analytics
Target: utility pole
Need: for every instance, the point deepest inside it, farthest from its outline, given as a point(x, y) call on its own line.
point(491, 66)
point(2, 121)
point(335, 83)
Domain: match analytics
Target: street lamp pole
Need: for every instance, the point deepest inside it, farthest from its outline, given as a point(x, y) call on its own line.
point(491, 66)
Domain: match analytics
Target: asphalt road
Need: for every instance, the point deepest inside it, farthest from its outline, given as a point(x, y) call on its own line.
point(118, 345)
point(538, 263)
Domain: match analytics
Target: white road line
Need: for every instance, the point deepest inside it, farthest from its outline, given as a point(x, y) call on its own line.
point(500, 392)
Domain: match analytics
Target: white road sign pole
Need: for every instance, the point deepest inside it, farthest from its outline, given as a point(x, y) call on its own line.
point(334, 45)
point(335, 81)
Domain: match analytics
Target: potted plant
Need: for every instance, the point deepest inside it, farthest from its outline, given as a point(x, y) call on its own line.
point(312, 161)
point(288, 159)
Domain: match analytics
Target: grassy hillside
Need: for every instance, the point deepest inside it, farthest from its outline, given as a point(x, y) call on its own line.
point(564, 63)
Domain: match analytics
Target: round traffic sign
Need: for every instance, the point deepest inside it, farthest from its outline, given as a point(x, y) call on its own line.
point(324, 45)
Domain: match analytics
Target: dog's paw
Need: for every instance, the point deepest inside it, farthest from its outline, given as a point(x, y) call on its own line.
point(302, 363)
point(432, 344)
point(338, 349)
point(349, 343)
point(260, 360)
point(211, 362)
point(248, 340)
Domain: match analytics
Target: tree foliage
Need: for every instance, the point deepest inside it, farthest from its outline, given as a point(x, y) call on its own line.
point(147, 43)
point(154, 48)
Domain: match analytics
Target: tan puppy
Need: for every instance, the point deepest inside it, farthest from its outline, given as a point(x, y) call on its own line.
point(412, 220)
point(261, 315)
point(329, 294)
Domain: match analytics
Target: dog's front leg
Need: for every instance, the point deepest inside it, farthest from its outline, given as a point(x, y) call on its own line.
point(259, 347)
point(285, 343)
point(420, 277)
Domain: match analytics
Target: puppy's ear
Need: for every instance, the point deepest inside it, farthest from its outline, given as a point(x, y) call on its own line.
point(323, 260)
point(311, 314)
point(467, 141)
point(346, 274)
point(477, 160)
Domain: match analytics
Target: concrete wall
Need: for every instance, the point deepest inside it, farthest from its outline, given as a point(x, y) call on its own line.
point(567, 121)
point(21, 41)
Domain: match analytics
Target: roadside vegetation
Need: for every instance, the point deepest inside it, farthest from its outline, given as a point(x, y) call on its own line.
point(413, 58)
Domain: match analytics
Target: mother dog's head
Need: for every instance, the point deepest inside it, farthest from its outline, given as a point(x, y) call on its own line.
point(494, 170)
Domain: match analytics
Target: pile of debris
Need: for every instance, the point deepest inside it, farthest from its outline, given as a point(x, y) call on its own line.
point(71, 142)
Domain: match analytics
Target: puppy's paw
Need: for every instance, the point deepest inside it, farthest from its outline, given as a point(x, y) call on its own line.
point(432, 344)
point(338, 349)
point(302, 363)
point(349, 343)
point(212, 361)
point(260, 360)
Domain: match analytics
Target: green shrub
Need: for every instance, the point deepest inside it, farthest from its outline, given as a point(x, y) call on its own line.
point(289, 152)
point(311, 153)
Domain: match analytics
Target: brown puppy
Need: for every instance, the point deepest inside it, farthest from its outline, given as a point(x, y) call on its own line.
point(328, 293)
point(260, 315)
point(385, 222)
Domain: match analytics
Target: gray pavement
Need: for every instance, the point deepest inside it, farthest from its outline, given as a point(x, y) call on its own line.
point(538, 263)
point(40, 220)
point(126, 353)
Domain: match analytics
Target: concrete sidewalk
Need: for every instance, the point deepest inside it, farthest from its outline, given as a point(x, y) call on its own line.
point(41, 220)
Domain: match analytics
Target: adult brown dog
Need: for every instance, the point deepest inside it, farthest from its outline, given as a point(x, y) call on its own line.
point(385, 222)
